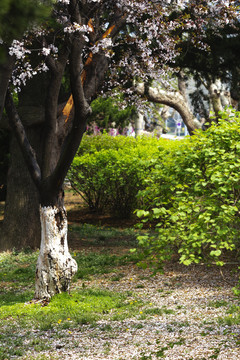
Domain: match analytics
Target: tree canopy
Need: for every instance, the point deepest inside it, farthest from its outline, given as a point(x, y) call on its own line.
point(16, 16)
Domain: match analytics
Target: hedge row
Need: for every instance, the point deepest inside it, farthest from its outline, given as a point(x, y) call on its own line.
point(108, 172)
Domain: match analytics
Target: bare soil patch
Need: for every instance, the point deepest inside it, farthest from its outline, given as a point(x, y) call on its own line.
point(78, 212)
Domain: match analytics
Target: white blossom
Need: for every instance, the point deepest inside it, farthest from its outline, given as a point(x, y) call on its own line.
point(77, 27)
point(144, 52)
point(17, 48)
point(46, 51)
point(67, 2)
point(53, 48)
point(102, 45)
point(43, 68)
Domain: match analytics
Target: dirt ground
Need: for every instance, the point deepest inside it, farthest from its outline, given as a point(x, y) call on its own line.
point(78, 212)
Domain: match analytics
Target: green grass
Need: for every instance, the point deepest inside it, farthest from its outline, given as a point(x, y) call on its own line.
point(218, 303)
point(161, 349)
point(158, 311)
point(27, 326)
point(17, 273)
point(233, 317)
point(84, 306)
point(21, 318)
point(93, 263)
point(17, 269)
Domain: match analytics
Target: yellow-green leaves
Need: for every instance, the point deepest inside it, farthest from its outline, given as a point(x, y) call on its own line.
point(193, 196)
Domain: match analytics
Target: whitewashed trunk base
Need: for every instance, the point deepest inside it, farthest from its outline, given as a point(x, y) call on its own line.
point(55, 265)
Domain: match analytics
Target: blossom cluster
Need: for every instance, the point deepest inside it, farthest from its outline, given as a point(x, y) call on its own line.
point(144, 47)
point(65, 2)
point(103, 45)
point(51, 48)
point(77, 27)
point(18, 49)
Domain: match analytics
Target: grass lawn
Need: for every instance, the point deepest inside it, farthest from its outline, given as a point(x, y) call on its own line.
point(115, 309)
point(21, 317)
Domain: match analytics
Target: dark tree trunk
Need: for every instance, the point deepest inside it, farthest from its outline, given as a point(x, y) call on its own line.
point(21, 225)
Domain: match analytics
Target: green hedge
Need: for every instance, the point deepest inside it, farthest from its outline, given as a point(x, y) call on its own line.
point(109, 171)
point(193, 197)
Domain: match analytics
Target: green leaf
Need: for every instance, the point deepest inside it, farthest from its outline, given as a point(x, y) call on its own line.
point(215, 252)
point(141, 213)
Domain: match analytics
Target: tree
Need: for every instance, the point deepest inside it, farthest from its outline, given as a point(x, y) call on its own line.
point(21, 225)
point(107, 116)
point(173, 99)
point(80, 39)
point(212, 63)
point(62, 137)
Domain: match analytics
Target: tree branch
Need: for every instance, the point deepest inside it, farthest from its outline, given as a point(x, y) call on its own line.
point(172, 99)
point(51, 114)
point(19, 131)
point(95, 72)
point(96, 68)
point(81, 111)
point(51, 63)
point(5, 74)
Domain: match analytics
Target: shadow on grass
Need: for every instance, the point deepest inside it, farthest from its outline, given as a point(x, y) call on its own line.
point(86, 235)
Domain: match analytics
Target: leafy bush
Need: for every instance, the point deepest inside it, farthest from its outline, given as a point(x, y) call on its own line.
point(106, 111)
point(193, 197)
point(109, 171)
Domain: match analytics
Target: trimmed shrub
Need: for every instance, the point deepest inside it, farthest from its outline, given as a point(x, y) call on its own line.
point(109, 171)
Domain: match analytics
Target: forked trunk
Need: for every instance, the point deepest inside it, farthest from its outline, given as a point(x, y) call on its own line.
point(55, 265)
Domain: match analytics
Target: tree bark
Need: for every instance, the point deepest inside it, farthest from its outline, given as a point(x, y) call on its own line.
point(55, 266)
point(215, 98)
point(173, 99)
point(219, 97)
point(21, 225)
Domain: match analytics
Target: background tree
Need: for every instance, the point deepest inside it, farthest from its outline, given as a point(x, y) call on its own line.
point(211, 63)
point(106, 115)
